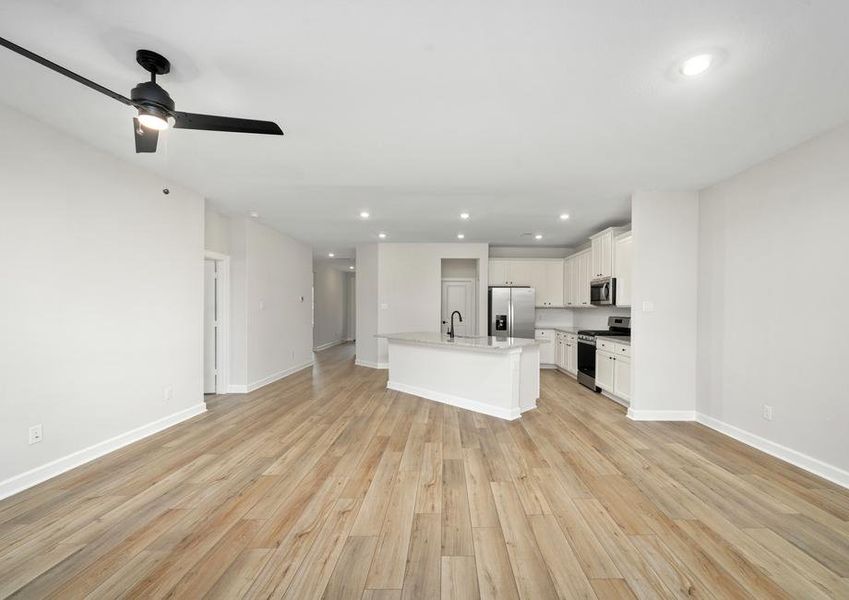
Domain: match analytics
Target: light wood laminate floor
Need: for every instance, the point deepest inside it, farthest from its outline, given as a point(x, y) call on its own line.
point(325, 484)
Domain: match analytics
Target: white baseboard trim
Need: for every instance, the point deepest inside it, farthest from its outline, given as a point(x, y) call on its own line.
point(616, 399)
point(19, 483)
point(565, 372)
point(328, 345)
point(803, 461)
point(526, 408)
point(245, 389)
point(547, 366)
point(661, 415)
point(279, 375)
point(370, 364)
point(459, 402)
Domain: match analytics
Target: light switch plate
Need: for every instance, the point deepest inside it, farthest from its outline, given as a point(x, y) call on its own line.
point(648, 306)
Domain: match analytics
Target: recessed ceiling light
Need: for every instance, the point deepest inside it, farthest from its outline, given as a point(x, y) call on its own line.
point(381, 235)
point(365, 214)
point(460, 236)
point(564, 217)
point(538, 236)
point(696, 65)
point(330, 254)
point(253, 214)
point(464, 215)
point(351, 267)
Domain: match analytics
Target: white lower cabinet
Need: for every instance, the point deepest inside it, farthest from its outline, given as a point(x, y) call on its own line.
point(622, 378)
point(604, 366)
point(571, 358)
point(546, 350)
point(613, 370)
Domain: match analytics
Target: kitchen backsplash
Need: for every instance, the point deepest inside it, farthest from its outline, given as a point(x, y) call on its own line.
point(585, 318)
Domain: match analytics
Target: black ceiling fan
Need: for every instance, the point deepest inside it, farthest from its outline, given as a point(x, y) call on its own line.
point(155, 107)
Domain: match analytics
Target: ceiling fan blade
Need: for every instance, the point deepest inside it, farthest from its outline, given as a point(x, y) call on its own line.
point(185, 120)
point(145, 137)
point(66, 72)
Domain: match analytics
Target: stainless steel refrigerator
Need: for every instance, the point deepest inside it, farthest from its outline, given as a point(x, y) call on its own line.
point(512, 312)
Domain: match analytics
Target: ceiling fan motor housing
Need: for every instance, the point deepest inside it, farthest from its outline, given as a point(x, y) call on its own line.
point(153, 97)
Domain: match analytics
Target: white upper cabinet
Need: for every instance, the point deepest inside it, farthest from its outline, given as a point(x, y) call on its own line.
point(576, 280)
point(622, 268)
point(602, 252)
point(550, 285)
point(545, 275)
point(498, 272)
point(585, 265)
point(568, 297)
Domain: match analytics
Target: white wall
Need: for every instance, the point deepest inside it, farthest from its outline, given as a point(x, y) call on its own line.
point(270, 327)
point(367, 294)
point(530, 251)
point(596, 317)
point(216, 231)
point(410, 286)
point(350, 306)
point(773, 279)
point(664, 271)
point(330, 304)
point(460, 268)
point(399, 288)
point(278, 288)
point(102, 279)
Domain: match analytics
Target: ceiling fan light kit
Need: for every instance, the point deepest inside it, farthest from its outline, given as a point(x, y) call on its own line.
point(156, 108)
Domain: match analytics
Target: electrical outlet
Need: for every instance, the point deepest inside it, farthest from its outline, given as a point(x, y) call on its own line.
point(767, 412)
point(35, 434)
point(167, 393)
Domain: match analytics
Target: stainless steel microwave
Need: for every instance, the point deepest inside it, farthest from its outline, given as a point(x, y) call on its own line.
point(603, 291)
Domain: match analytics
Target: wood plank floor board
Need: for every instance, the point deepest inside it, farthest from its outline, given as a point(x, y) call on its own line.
point(326, 485)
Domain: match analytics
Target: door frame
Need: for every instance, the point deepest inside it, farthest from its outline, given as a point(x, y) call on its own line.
point(474, 284)
point(222, 302)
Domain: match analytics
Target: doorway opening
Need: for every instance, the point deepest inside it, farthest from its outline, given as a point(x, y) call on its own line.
point(216, 322)
point(460, 292)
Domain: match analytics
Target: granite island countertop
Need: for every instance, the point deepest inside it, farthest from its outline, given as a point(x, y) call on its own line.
point(483, 343)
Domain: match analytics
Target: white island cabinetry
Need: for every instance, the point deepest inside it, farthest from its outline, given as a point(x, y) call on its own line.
point(493, 376)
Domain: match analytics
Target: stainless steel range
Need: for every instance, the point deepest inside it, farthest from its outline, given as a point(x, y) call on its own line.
point(618, 326)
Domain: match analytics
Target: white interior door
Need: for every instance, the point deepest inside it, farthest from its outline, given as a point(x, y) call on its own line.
point(459, 295)
point(210, 326)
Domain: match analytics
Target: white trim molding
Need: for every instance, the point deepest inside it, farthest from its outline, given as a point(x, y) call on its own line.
point(803, 461)
point(328, 345)
point(278, 376)
point(480, 407)
point(370, 364)
point(661, 415)
point(19, 483)
point(222, 348)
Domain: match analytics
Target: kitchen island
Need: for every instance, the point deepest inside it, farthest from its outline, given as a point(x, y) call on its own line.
point(491, 375)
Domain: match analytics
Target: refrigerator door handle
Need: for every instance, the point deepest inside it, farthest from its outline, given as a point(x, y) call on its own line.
point(510, 330)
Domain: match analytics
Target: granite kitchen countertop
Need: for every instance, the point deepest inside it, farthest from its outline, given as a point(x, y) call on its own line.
point(616, 339)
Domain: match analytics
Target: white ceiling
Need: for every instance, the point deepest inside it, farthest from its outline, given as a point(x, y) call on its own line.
point(514, 110)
